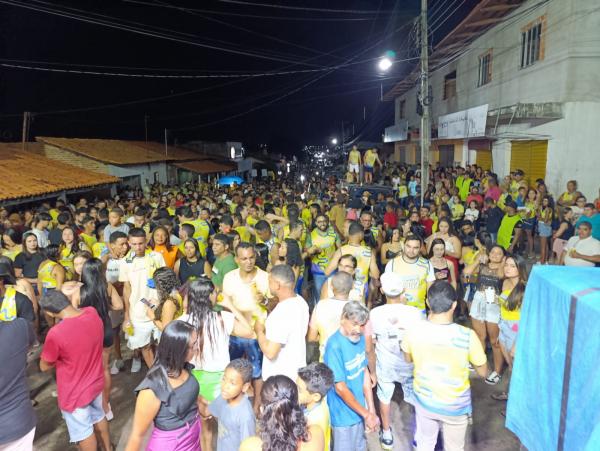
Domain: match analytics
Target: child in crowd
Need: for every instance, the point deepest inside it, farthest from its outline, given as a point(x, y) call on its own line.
point(231, 408)
point(314, 381)
point(472, 213)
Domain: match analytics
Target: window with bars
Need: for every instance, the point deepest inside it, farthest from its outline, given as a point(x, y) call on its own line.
point(532, 43)
point(485, 68)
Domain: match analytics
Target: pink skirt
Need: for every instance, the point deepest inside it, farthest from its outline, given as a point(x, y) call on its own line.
point(559, 246)
point(186, 438)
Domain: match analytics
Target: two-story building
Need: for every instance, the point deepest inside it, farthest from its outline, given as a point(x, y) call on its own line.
point(513, 86)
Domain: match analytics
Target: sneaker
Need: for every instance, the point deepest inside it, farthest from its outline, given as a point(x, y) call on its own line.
point(136, 365)
point(493, 378)
point(116, 367)
point(54, 394)
point(386, 440)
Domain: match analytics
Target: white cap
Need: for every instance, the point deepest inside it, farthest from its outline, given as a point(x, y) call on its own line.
point(392, 284)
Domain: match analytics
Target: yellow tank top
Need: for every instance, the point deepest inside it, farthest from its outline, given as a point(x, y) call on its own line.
point(326, 243)
point(319, 415)
point(8, 308)
point(354, 157)
point(45, 274)
point(508, 315)
point(98, 249)
point(244, 233)
point(370, 158)
point(363, 256)
point(12, 254)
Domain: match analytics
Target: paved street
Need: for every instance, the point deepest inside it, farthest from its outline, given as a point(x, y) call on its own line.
point(486, 433)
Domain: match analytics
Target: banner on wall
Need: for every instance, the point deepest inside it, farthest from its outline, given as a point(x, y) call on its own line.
point(463, 124)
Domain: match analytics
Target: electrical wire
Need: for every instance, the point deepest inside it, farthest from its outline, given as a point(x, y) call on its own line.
point(301, 8)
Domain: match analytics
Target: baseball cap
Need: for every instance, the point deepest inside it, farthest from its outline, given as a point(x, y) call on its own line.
point(392, 284)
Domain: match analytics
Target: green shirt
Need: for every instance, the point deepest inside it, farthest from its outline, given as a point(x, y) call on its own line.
point(221, 267)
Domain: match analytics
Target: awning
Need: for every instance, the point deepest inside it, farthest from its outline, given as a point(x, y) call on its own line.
point(205, 166)
point(480, 144)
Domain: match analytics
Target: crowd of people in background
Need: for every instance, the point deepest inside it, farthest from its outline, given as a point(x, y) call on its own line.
point(278, 315)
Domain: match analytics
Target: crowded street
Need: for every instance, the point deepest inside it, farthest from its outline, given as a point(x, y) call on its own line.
point(307, 225)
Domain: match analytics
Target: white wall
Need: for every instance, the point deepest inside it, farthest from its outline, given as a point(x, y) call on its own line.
point(145, 171)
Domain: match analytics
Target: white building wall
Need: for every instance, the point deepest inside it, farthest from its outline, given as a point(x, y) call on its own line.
point(145, 171)
point(568, 74)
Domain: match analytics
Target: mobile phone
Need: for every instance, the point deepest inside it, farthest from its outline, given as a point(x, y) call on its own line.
point(148, 303)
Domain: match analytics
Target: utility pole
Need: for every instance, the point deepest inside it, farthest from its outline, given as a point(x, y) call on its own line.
point(166, 147)
point(26, 124)
point(343, 138)
point(424, 98)
point(146, 126)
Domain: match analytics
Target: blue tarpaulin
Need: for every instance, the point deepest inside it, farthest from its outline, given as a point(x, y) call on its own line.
point(230, 180)
point(554, 401)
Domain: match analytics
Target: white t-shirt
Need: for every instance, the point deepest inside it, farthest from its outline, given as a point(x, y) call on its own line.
point(287, 324)
point(113, 266)
point(215, 356)
point(136, 271)
point(588, 246)
point(326, 319)
point(42, 237)
point(389, 323)
point(240, 292)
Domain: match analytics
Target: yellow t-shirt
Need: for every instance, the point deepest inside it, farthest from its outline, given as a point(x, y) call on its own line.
point(370, 158)
point(327, 244)
point(306, 217)
point(245, 235)
point(508, 315)
point(363, 256)
point(89, 240)
point(319, 415)
point(98, 249)
point(45, 274)
point(441, 354)
point(251, 221)
point(354, 157)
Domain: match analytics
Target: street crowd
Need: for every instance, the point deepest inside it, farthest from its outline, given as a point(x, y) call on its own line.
point(279, 315)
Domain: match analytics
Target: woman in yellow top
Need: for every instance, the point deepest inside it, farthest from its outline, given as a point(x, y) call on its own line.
point(160, 242)
point(12, 245)
point(51, 274)
point(70, 245)
point(511, 301)
point(169, 305)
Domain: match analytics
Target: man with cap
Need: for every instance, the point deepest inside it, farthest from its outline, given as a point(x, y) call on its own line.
point(384, 333)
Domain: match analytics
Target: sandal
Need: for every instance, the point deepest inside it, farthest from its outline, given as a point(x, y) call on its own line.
point(499, 396)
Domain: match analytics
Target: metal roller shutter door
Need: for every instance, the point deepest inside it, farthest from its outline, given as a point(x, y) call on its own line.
point(531, 157)
point(484, 159)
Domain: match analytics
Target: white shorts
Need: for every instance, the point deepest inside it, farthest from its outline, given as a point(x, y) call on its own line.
point(143, 332)
point(484, 311)
point(353, 168)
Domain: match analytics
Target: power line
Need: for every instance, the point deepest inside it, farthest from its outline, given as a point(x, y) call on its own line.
point(258, 16)
point(143, 32)
point(302, 8)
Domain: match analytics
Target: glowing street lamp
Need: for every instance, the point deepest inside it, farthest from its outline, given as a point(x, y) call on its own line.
point(386, 61)
point(334, 141)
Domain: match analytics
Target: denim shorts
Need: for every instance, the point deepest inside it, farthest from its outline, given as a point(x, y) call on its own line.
point(508, 333)
point(80, 422)
point(544, 230)
point(484, 311)
point(249, 349)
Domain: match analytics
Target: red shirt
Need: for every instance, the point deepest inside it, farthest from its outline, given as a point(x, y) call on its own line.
point(427, 223)
point(390, 219)
point(477, 198)
point(75, 347)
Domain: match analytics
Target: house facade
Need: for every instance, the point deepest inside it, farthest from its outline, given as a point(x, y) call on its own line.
point(514, 86)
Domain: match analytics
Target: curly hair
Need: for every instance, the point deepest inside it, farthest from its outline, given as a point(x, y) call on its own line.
point(167, 283)
point(282, 424)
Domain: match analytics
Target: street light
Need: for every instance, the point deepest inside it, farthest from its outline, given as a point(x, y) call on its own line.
point(386, 61)
point(334, 141)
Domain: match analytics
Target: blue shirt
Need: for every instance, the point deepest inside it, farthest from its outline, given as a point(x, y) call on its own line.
point(348, 361)
point(595, 221)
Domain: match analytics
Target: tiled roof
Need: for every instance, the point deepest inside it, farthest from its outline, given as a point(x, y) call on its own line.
point(27, 174)
point(120, 152)
point(485, 15)
point(205, 166)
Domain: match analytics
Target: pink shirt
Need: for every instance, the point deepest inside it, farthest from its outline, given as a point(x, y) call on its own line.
point(494, 192)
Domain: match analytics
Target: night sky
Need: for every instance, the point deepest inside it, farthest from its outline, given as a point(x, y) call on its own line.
point(285, 111)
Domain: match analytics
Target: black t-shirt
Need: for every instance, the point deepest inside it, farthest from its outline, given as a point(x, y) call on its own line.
point(29, 266)
point(494, 218)
point(55, 236)
point(17, 416)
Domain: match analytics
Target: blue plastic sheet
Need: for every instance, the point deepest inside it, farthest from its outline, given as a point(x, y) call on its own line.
point(554, 401)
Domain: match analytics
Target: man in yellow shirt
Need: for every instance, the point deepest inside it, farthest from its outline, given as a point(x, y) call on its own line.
point(441, 351)
point(354, 162)
point(371, 158)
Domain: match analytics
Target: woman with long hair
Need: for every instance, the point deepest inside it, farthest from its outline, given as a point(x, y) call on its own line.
point(511, 301)
point(191, 265)
point(51, 274)
point(485, 308)
point(451, 241)
point(443, 267)
point(393, 247)
point(169, 305)
point(160, 242)
point(70, 245)
point(22, 285)
point(281, 423)
point(565, 231)
point(12, 243)
point(545, 216)
point(213, 325)
point(94, 291)
point(168, 395)
point(29, 260)
point(289, 253)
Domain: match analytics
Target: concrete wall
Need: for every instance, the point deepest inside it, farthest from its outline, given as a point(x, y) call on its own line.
point(145, 171)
